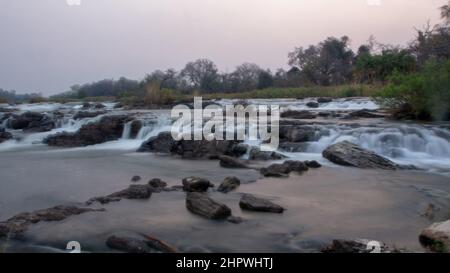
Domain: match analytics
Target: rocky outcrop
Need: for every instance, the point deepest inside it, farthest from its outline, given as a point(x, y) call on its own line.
point(252, 203)
point(196, 184)
point(4, 136)
point(436, 237)
point(157, 185)
point(324, 100)
point(136, 126)
point(283, 170)
point(141, 244)
point(298, 114)
point(349, 154)
point(201, 204)
point(132, 192)
point(355, 246)
point(312, 164)
point(257, 154)
point(164, 143)
point(363, 113)
point(88, 114)
point(312, 104)
point(231, 162)
point(297, 133)
point(108, 128)
point(31, 122)
point(16, 226)
point(230, 183)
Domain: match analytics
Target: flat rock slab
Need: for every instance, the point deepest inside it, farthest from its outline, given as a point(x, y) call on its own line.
point(349, 154)
point(250, 202)
point(201, 204)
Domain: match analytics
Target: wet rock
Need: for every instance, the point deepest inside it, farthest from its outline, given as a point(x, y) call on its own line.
point(283, 170)
point(86, 105)
point(108, 128)
point(348, 154)
point(88, 114)
point(4, 136)
point(201, 204)
point(239, 149)
point(162, 143)
point(312, 104)
point(324, 100)
point(297, 133)
point(355, 246)
point(257, 154)
point(298, 114)
point(16, 226)
point(128, 244)
point(99, 106)
point(229, 183)
point(196, 184)
point(31, 122)
point(136, 126)
point(313, 164)
point(293, 147)
point(363, 113)
point(132, 192)
point(436, 237)
point(157, 183)
point(118, 105)
point(231, 162)
point(135, 178)
point(235, 219)
point(250, 202)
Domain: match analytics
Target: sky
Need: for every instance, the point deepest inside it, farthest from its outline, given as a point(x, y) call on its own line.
point(48, 45)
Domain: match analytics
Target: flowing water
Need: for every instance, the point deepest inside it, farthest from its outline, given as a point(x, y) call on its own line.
point(324, 204)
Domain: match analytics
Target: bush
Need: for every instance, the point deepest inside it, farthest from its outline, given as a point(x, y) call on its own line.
point(157, 96)
point(427, 92)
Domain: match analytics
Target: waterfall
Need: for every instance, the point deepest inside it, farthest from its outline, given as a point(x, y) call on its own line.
point(127, 130)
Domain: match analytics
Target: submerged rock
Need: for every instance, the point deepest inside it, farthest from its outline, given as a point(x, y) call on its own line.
point(231, 162)
point(201, 204)
point(436, 237)
point(312, 104)
point(355, 246)
point(283, 170)
point(196, 184)
point(312, 164)
point(157, 184)
point(16, 226)
point(349, 154)
point(108, 128)
point(135, 178)
point(363, 113)
point(303, 114)
point(257, 154)
point(139, 244)
point(324, 100)
point(162, 143)
point(250, 202)
point(132, 192)
point(229, 183)
point(297, 133)
point(4, 136)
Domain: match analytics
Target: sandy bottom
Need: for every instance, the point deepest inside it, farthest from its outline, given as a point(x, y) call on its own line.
point(323, 204)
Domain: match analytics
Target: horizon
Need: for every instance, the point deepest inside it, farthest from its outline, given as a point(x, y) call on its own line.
point(50, 55)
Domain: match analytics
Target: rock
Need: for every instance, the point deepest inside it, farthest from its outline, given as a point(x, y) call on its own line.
point(293, 147)
point(298, 114)
point(108, 128)
point(87, 114)
point(292, 133)
point(436, 237)
point(4, 136)
point(239, 149)
point(16, 226)
point(235, 219)
point(354, 246)
point(257, 154)
point(31, 122)
point(363, 113)
point(312, 104)
point(324, 100)
point(162, 143)
point(136, 126)
point(348, 154)
point(229, 183)
point(196, 184)
point(324, 114)
point(157, 183)
point(313, 164)
point(128, 244)
point(200, 204)
point(250, 202)
point(132, 192)
point(231, 162)
point(99, 106)
point(86, 105)
point(135, 178)
point(283, 170)
point(118, 105)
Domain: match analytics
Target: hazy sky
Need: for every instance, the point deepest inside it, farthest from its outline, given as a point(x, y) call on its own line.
point(48, 45)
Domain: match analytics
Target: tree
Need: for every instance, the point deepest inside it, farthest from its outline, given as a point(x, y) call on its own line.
point(445, 13)
point(202, 74)
point(245, 77)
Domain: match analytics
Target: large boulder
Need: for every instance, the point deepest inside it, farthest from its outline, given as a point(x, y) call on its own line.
point(252, 203)
point(436, 237)
point(32, 122)
point(297, 133)
point(108, 128)
point(229, 183)
point(196, 184)
point(162, 143)
point(349, 154)
point(298, 114)
point(201, 204)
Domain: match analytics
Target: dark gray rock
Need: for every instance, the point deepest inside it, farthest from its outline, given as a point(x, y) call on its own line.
point(250, 202)
point(313, 164)
point(196, 184)
point(231, 162)
point(349, 154)
point(31, 122)
point(293, 133)
point(135, 178)
point(257, 154)
point(229, 183)
point(4, 136)
point(324, 100)
point(201, 204)
point(162, 143)
point(363, 113)
point(304, 114)
point(283, 170)
point(128, 244)
point(132, 192)
point(312, 104)
point(157, 183)
point(88, 114)
point(436, 237)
